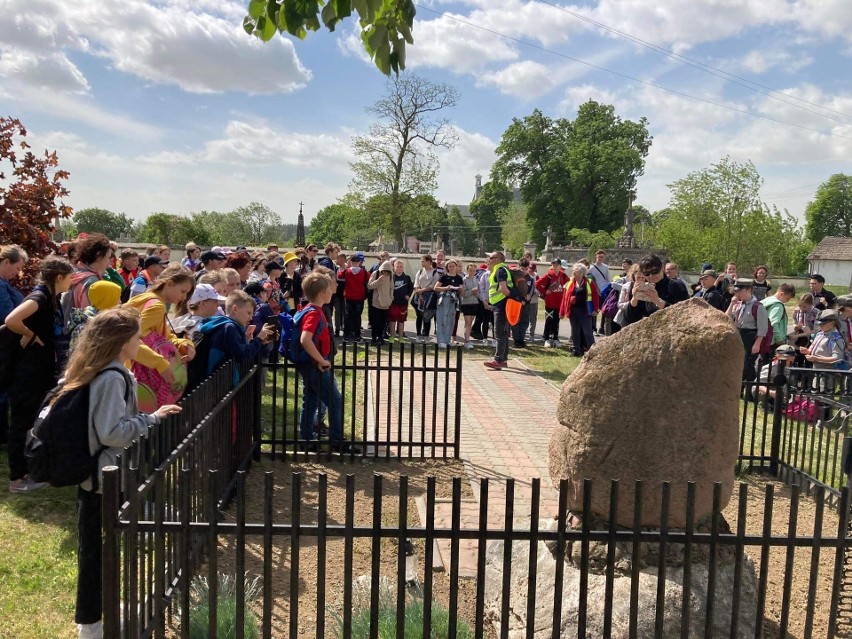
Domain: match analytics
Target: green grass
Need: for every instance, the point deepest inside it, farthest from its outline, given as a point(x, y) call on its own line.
point(553, 364)
point(38, 561)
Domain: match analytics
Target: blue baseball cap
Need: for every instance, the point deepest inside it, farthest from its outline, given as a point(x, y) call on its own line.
point(358, 257)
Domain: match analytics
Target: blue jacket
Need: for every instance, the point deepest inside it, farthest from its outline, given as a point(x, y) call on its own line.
point(262, 313)
point(10, 297)
point(227, 340)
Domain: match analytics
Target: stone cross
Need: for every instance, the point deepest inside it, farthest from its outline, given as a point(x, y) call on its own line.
point(548, 244)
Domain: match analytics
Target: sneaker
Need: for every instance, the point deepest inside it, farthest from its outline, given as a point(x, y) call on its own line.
point(345, 449)
point(520, 344)
point(468, 345)
point(25, 485)
point(495, 365)
point(90, 630)
point(442, 345)
point(555, 343)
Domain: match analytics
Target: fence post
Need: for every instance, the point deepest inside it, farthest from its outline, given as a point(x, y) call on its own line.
point(110, 562)
point(257, 388)
point(780, 383)
point(457, 412)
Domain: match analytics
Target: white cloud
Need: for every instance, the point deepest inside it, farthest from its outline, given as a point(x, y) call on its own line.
point(448, 44)
point(176, 43)
point(526, 80)
point(474, 153)
point(52, 72)
point(763, 60)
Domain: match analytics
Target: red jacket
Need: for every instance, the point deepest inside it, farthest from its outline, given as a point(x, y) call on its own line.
point(355, 284)
point(551, 286)
point(593, 301)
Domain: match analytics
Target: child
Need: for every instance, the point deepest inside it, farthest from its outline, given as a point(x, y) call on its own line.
point(398, 313)
point(103, 296)
point(129, 269)
point(263, 313)
point(203, 303)
point(354, 292)
point(40, 322)
point(109, 339)
point(229, 337)
point(448, 287)
point(551, 286)
point(469, 302)
point(827, 350)
point(381, 283)
point(318, 381)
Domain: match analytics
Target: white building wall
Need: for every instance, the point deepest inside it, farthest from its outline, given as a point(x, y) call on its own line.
point(835, 272)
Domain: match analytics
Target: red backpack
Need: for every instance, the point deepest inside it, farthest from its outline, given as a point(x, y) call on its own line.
point(766, 342)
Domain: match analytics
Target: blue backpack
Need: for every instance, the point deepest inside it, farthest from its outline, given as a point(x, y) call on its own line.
point(291, 334)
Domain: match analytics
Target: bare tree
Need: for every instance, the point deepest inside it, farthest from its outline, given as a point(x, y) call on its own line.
point(398, 157)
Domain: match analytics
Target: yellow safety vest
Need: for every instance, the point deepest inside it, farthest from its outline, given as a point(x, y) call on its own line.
point(495, 295)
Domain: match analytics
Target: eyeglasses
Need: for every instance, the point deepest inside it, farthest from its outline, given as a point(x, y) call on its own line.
point(654, 271)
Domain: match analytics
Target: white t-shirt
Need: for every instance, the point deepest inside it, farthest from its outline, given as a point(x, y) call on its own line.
point(600, 273)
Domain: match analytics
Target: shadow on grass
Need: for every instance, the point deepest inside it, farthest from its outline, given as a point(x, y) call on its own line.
point(48, 506)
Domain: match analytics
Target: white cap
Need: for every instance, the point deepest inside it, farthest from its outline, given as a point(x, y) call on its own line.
point(222, 249)
point(205, 292)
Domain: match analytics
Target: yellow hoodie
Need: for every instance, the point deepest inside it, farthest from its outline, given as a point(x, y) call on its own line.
point(153, 311)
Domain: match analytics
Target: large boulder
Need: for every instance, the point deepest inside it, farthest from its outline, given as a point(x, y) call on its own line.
point(647, 588)
point(657, 401)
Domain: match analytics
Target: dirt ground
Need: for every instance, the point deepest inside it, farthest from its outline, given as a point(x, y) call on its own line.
point(444, 472)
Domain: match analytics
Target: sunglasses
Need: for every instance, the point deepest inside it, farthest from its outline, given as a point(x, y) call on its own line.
point(655, 271)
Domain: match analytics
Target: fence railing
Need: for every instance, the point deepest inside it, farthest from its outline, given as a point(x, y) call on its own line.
point(400, 401)
point(176, 482)
point(327, 568)
point(793, 425)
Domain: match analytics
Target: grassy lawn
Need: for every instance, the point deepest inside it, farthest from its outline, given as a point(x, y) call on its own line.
point(38, 561)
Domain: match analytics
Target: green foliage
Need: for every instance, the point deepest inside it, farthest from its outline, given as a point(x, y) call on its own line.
point(595, 241)
point(251, 225)
point(715, 215)
point(96, 220)
point(226, 608)
point(397, 159)
point(169, 228)
point(462, 235)
point(515, 230)
point(488, 210)
point(31, 193)
point(262, 224)
point(830, 213)
point(385, 24)
point(573, 174)
point(414, 614)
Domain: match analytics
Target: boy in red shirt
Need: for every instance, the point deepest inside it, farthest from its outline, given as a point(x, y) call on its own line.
point(318, 383)
point(354, 293)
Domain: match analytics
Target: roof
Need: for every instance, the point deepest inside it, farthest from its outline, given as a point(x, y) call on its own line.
point(833, 248)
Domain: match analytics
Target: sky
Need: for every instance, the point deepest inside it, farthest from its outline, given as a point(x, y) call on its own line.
point(169, 106)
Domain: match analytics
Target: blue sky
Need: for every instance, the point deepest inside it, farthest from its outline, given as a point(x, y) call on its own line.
point(169, 106)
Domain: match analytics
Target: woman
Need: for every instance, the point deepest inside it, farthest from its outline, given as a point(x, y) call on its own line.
point(94, 257)
point(13, 259)
point(241, 264)
point(762, 286)
point(156, 362)
point(258, 271)
point(38, 320)
point(449, 288)
point(115, 422)
point(291, 281)
point(635, 277)
point(193, 257)
point(164, 253)
point(469, 302)
point(424, 290)
point(579, 304)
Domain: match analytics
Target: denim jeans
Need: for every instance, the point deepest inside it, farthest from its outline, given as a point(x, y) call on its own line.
point(320, 387)
point(445, 319)
point(501, 331)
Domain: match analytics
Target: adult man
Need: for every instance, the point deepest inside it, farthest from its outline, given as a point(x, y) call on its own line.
point(777, 312)
point(823, 298)
point(152, 268)
point(752, 322)
point(210, 261)
point(708, 291)
point(499, 283)
point(658, 292)
point(599, 272)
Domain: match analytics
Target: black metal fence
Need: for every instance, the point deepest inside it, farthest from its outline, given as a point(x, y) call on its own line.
point(164, 513)
point(793, 425)
point(401, 400)
point(329, 569)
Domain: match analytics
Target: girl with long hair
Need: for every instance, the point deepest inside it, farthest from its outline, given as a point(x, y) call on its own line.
point(115, 422)
point(162, 353)
point(39, 321)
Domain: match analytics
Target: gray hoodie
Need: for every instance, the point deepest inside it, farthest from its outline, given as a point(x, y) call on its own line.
point(118, 423)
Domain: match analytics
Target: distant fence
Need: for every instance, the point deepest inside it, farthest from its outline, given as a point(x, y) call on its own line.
point(163, 516)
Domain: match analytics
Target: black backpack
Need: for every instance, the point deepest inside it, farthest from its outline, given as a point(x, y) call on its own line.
point(57, 448)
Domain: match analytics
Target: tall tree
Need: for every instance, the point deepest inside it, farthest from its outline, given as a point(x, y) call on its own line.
point(462, 235)
point(573, 174)
point(716, 215)
point(398, 158)
point(385, 24)
point(97, 220)
point(488, 211)
point(262, 223)
point(515, 230)
point(31, 195)
point(830, 213)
